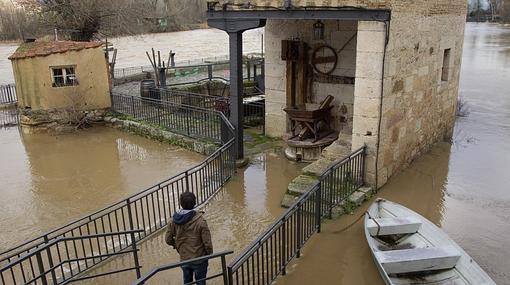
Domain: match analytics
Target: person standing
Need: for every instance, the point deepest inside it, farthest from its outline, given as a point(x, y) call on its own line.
point(189, 234)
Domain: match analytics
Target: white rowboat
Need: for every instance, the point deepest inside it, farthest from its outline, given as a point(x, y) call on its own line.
point(409, 249)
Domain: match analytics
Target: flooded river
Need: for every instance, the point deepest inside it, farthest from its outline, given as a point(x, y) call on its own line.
point(49, 180)
point(188, 45)
point(462, 187)
point(246, 206)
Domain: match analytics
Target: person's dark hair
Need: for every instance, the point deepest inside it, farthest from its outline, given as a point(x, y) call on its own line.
point(188, 200)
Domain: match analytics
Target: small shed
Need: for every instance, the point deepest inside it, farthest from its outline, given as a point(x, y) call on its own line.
point(61, 75)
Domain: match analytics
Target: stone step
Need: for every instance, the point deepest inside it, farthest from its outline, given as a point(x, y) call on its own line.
point(339, 149)
point(301, 185)
point(318, 167)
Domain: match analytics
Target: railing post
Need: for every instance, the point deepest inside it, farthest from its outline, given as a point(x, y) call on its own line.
point(264, 119)
point(187, 181)
point(248, 69)
point(224, 270)
point(222, 166)
point(318, 202)
point(331, 195)
point(50, 260)
point(133, 106)
point(188, 121)
point(284, 250)
point(230, 276)
point(298, 230)
point(210, 72)
point(133, 239)
point(40, 265)
point(363, 154)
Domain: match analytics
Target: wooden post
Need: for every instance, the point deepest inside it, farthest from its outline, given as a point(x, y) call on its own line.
point(301, 75)
point(291, 102)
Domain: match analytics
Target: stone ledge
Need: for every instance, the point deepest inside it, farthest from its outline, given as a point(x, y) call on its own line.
point(148, 131)
point(301, 184)
point(317, 168)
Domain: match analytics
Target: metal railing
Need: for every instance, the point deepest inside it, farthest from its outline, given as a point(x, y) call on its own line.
point(8, 94)
point(9, 117)
point(150, 209)
point(267, 257)
point(59, 261)
point(254, 106)
point(186, 72)
point(203, 101)
point(223, 274)
point(187, 120)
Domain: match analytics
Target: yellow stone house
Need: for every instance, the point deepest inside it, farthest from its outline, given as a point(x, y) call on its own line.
point(53, 75)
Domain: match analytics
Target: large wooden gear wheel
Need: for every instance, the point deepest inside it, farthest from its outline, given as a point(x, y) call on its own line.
point(324, 59)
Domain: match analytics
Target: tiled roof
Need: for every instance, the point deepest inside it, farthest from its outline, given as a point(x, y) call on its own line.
point(35, 49)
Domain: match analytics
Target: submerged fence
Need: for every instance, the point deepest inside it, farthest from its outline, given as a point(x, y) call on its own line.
point(8, 94)
point(267, 257)
point(148, 210)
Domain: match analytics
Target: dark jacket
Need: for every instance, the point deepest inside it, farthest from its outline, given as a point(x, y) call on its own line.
point(189, 234)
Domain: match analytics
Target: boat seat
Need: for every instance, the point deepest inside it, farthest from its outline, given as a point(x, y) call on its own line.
point(393, 226)
point(418, 259)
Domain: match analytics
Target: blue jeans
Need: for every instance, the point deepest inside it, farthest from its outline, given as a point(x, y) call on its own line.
point(197, 269)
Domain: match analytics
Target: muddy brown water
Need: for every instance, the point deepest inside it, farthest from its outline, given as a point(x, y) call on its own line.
point(461, 187)
point(49, 180)
point(241, 211)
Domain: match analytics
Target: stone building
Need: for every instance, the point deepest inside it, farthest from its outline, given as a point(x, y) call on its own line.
point(403, 58)
point(60, 75)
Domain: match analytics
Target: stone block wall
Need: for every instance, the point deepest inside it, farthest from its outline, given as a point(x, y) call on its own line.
point(337, 35)
point(418, 106)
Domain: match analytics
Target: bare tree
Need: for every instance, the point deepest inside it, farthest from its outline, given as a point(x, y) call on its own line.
point(85, 18)
point(494, 8)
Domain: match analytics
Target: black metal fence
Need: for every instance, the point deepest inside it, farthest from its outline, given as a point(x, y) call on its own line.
point(254, 106)
point(8, 94)
point(150, 209)
point(223, 274)
point(174, 96)
point(58, 261)
point(267, 257)
point(187, 120)
point(187, 72)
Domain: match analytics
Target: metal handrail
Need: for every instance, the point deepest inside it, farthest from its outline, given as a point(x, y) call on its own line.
point(158, 269)
point(47, 255)
point(282, 240)
point(152, 207)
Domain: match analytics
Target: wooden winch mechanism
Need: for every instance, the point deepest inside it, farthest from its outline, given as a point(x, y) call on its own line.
point(305, 122)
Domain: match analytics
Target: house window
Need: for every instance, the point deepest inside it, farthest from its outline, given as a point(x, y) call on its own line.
point(64, 76)
point(446, 65)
